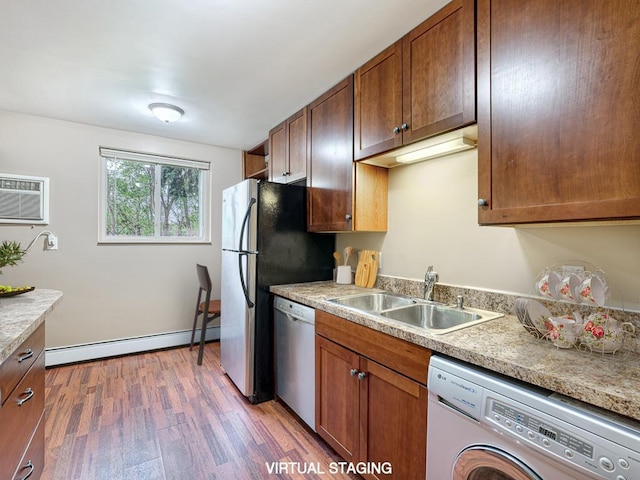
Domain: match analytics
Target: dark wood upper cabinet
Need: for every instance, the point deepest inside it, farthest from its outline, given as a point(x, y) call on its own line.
point(288, 146)
point(330, 144)
point(421, 86)
point(378, 103)
point(278, 159)
point(341, 195)
point(558, 110)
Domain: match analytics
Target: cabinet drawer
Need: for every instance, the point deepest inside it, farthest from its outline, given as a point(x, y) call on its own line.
point(19, 417)
point(32, 464)
point(404, 357)
point(14, 367)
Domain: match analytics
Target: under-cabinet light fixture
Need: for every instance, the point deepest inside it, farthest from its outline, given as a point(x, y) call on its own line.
point(166, 112)
point(438, 150)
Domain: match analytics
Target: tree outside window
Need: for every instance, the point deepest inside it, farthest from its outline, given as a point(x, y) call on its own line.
point(147, 200)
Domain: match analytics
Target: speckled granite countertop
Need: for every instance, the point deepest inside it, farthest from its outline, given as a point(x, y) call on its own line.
point(21, 315)
point(611, 382)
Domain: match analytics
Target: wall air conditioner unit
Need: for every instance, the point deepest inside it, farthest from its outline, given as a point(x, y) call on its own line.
point(24, 199)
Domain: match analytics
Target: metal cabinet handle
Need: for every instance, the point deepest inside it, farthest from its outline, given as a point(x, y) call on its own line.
point(347, 217)
point(482, 202)
point(27, 354)
point(404, 127)
point(396, 130)
point(353, 372)
point(362, 376)
point(29, 394)
point(31, 468)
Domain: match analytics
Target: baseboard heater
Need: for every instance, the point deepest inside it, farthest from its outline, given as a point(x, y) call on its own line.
point(125, 346)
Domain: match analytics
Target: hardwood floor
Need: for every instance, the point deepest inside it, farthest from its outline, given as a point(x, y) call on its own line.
point(159, 416)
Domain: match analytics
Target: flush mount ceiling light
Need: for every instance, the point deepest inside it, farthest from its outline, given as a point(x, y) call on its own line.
point(438, 150)
point(166, 112)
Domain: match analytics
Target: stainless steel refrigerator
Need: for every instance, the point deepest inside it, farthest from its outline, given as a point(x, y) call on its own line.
point(264, 243)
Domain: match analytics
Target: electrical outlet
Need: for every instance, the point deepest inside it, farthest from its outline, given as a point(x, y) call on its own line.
point(379, 260)
point(52, 242)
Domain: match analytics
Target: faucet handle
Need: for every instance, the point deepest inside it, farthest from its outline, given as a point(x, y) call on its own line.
point(428, 275)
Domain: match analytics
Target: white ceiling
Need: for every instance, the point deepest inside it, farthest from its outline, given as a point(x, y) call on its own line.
point(237, 67)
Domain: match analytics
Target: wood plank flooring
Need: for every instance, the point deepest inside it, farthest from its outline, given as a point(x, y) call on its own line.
point(158, 416)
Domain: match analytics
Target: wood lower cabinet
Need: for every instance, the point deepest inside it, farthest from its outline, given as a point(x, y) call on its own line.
point(338, 394)
point(421, 86)
point(558, 111)
point(371, 396)
point(288, 147)
point(22, 411)
point(341, 195)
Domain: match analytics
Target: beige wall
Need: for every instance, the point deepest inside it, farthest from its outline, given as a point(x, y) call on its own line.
point(433, 221)
point(110, 291)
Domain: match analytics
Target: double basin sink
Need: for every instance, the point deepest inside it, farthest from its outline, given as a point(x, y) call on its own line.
point(434, 317)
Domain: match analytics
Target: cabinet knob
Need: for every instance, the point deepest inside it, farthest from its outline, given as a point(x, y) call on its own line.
point(404, 127)
point(482, 202)
point(362, 376)
point(396, 130)
point(353, 372)
point(284, 174)
point(347, 217)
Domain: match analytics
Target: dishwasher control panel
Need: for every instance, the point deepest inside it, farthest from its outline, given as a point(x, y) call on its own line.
point(296, 310)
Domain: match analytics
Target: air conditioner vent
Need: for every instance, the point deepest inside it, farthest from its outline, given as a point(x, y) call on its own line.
point(24, 199)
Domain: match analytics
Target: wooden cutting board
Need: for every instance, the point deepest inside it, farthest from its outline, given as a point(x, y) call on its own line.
point(373, 269)
point(367, 269)
point(362, 272)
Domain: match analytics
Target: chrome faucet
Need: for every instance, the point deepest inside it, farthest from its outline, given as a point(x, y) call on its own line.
point(430, 279)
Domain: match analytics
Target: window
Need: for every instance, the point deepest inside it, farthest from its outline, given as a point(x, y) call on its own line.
point(152, 198)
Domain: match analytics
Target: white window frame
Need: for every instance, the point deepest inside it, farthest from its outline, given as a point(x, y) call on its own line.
point(148, 158)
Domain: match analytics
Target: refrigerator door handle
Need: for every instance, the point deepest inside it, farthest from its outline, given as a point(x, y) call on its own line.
point(245, 290)
point(245, 220)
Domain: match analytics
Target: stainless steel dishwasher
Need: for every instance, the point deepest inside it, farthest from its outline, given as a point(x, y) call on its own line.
point(295, 357)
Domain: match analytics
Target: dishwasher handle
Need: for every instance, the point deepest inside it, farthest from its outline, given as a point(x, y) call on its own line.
point(296, 312)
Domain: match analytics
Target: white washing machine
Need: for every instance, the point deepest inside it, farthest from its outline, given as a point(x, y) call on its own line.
point(482, 426)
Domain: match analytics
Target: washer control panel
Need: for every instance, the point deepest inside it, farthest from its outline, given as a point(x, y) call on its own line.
point(593, 445)
point(563, 441)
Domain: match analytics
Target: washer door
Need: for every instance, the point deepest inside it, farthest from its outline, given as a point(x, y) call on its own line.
point(483, 462)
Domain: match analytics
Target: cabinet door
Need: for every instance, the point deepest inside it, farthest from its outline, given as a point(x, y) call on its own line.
point(378, 103)
point(393, 419)
point(296, 146)
point(337, 397)
point(330, 175)
point(278, 167)
point(558, 110)
point(19, 417)
point(439, 72)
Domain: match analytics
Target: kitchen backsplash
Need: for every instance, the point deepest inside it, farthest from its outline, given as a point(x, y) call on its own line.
point(495, 301)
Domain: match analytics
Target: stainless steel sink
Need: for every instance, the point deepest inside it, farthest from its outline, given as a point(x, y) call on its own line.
point(434, 317)
point(439, 319)
point(374, 302)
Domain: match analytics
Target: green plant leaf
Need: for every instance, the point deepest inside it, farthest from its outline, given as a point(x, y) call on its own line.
point(10, 254)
